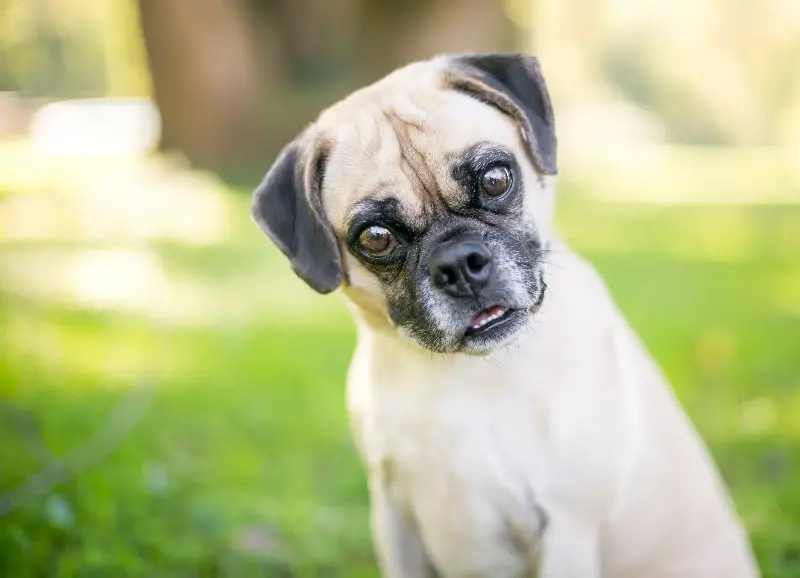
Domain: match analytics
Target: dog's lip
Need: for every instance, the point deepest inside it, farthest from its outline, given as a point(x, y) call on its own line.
point(489, 318)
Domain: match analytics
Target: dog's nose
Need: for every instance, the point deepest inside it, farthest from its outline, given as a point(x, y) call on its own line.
point(462, 268)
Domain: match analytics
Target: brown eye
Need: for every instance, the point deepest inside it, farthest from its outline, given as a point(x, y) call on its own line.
point(496, 181)
point(376, 241)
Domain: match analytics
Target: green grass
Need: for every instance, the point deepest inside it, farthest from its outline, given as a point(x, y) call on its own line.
point(242, 465)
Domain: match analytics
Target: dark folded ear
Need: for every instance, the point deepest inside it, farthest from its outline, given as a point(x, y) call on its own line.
point(287, 206)
point(514, 84)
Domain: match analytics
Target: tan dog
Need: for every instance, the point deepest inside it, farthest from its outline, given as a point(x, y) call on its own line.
point(506, 432)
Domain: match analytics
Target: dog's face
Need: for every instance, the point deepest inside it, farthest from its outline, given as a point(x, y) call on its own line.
point(428, 197)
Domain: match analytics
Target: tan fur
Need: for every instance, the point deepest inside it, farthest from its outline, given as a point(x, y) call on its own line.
point(564, 455)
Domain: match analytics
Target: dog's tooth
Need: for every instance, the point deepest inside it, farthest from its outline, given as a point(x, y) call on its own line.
point(497, 314)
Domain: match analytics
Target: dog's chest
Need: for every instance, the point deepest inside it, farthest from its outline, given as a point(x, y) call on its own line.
point(462, 460)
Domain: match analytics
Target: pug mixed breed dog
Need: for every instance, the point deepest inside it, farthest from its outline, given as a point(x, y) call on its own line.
point(510, 421)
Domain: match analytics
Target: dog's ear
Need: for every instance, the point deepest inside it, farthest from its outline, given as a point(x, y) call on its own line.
point(287, 206)
point(514, 84)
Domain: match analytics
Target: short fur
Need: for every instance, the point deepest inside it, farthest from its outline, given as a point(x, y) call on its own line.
point(547, 445)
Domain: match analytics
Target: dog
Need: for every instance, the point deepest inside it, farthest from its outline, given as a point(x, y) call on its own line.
point(510, 422)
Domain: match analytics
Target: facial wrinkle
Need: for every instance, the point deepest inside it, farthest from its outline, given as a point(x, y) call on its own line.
point(415, 164)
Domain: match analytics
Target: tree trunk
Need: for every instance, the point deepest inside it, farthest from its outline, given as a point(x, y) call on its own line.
point(231, 89)
point(205, 76)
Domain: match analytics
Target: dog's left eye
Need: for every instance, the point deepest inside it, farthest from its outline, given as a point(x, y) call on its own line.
point(496, 181)
point(376, 241)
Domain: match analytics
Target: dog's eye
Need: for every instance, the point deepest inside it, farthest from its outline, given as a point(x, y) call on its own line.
point(376, 241)
point(496, 181)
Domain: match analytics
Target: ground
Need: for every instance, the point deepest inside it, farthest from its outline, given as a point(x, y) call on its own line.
point(193, 388)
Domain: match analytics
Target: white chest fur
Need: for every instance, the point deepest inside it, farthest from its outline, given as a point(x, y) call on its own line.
point(452, 455)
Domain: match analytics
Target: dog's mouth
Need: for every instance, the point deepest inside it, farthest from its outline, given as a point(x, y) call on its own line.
point(497, 315)
point(497, 324)
point(489, 319)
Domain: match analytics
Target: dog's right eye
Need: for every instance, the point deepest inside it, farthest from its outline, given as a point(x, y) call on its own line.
point(376, 241)
point(496, 181)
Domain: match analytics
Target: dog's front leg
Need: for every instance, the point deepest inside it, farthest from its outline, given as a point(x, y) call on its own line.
point(570, 549)
point(399, 550)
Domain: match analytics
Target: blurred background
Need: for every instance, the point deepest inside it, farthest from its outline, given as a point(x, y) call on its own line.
point(171, 397)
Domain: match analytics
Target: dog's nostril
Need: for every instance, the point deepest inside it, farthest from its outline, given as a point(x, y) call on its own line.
point(476, 262)
point(445, 276)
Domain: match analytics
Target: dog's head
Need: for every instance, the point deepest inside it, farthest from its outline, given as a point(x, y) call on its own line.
point(428, 197)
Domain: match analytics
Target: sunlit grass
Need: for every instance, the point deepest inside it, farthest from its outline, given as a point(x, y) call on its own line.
point(243, 465)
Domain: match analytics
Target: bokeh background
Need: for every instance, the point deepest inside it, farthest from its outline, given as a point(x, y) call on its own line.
point(171, 397)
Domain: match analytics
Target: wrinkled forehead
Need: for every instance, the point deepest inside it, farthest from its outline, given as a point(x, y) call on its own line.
point(404, 145)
